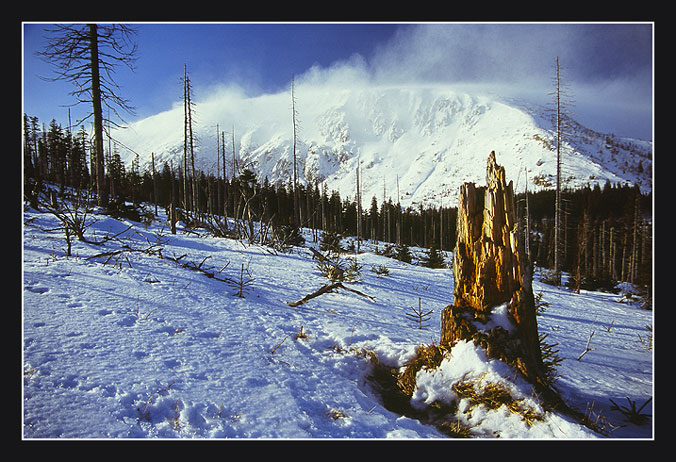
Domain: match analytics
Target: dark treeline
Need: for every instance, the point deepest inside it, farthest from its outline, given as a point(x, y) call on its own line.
point(606, 231)
point(53, 154)
point(606, 234)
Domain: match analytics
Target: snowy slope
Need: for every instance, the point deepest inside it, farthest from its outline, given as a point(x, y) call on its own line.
point(427, 140)
point(139, 347)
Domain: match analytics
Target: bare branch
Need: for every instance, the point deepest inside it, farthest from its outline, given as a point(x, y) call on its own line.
point(68, 52)
point(326, 289)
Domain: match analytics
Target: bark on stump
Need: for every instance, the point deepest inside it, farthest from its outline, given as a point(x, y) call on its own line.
point(489, 272)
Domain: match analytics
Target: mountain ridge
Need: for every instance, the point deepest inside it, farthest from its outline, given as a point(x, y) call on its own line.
point(422, 141)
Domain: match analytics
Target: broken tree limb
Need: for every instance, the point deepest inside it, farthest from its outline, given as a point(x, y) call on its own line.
point(326, 289)
point(587, 349)
point(317, 255)
point(206, 271)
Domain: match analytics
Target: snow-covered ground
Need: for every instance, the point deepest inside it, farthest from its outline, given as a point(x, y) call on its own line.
point(140, 347)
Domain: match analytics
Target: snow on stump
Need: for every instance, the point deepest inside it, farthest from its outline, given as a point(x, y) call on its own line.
point(489, 276)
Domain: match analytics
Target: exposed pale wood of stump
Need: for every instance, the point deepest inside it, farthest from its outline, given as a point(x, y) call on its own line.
point(489, 272)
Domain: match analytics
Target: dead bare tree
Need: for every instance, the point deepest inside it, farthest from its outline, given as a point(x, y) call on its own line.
point(294, 114)
point(562, 101)
point(87, 55)
point(189, 147)
point(74, 213)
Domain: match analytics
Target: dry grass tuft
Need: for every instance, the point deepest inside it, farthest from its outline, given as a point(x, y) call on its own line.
point(427, 357)
point(301, 334)
point(336, 414)
point(494, 395)
point(455, 429)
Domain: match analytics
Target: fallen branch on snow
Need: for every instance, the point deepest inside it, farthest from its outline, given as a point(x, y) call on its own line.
point(326, 289)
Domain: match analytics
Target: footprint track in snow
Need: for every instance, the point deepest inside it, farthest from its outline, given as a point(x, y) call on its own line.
point(38, 289)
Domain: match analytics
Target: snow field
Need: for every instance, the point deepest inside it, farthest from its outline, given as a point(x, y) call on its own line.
point(143, 348)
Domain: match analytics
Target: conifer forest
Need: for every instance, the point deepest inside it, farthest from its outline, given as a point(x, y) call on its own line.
point(607, 231)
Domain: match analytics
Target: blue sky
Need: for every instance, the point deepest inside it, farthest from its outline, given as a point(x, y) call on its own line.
point(261, 58)
point(608, 67)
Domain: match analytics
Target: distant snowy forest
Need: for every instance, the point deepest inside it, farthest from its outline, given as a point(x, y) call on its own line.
point(607, 231)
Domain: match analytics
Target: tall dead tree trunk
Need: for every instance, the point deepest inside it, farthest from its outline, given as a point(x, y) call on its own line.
point(155, 186)
point(185, 140)
point(296, 203)
point(358, 200)
point(191, 141)
point(633, 265)
point(489, 272)
point(172, 205)
point(87, 55)
point(101, 191)
point(225, 179)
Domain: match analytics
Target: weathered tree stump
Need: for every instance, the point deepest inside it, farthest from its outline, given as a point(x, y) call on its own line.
point(489, 272)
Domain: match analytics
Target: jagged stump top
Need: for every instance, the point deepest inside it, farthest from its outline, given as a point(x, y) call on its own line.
point(486, 263)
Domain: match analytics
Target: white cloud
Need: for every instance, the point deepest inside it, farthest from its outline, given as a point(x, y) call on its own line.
point(610, 80)
point(348, 73)
point(518, 60)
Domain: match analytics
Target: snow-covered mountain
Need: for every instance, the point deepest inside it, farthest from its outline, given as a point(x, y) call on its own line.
point(420, 141)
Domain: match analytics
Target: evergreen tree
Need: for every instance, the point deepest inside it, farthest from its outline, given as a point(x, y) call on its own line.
point(403, 253)
point(117, 176)
point(330, 242)
point(28, 167)
point(78, 163)
point(433, 258)
point(373, 229)
point(56, 146)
